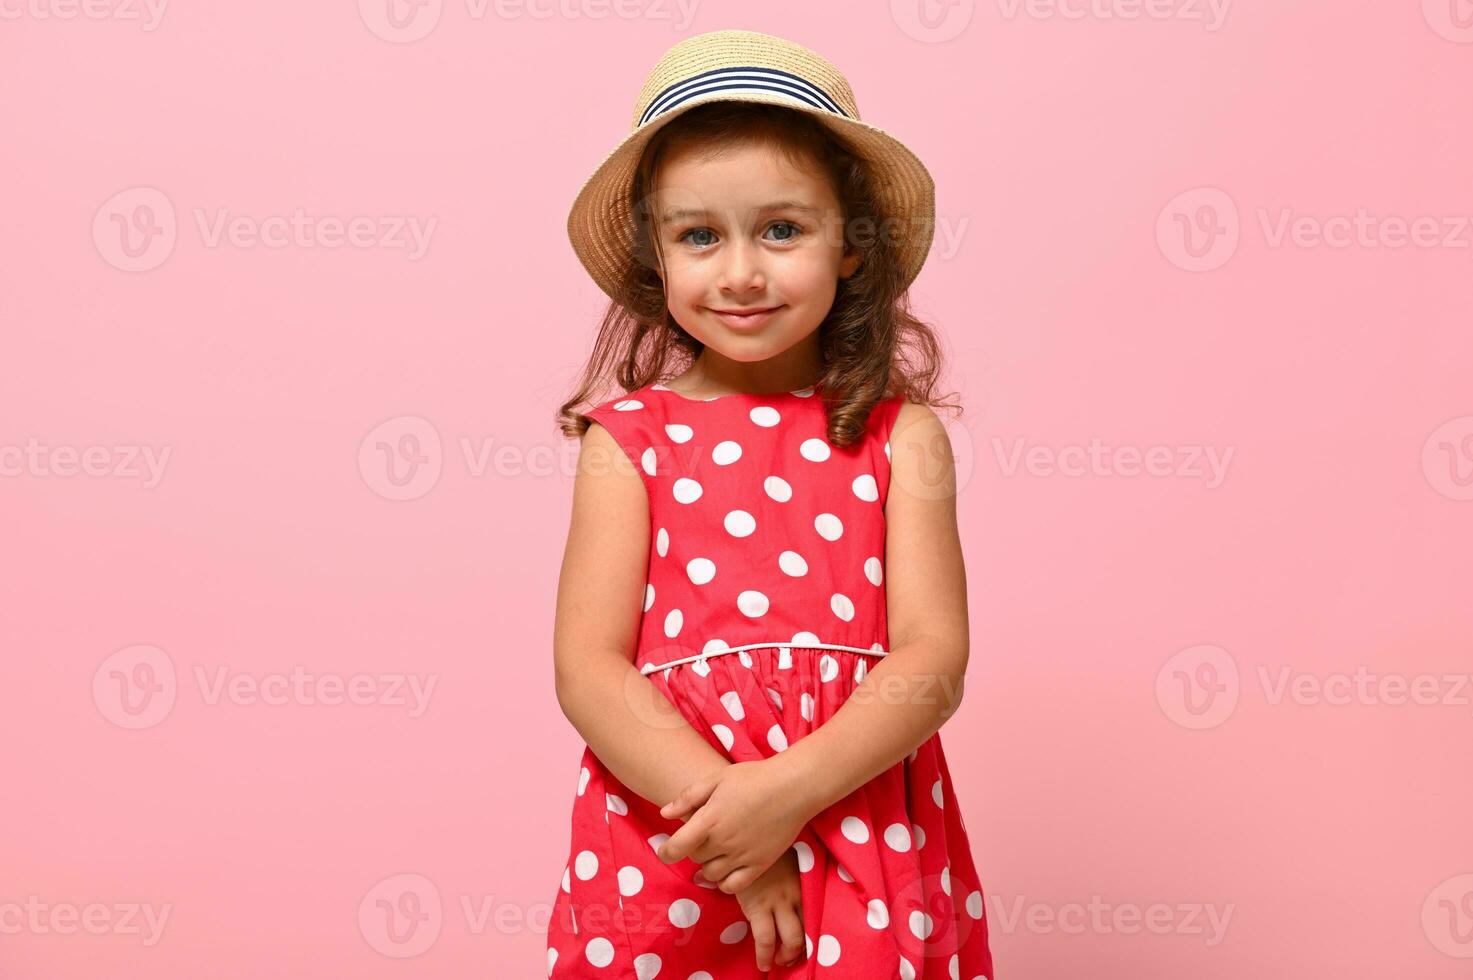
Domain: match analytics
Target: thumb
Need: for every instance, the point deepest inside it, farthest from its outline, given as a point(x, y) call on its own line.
point(689, 799)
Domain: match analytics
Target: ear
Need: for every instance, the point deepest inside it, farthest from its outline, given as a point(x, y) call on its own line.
point(850, 262)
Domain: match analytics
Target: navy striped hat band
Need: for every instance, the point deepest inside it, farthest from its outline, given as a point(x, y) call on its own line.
point(750, 79)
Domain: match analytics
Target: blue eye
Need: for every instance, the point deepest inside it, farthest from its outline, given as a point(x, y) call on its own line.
point(794, 233)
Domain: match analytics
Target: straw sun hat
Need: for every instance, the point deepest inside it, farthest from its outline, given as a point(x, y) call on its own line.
point(745, 66)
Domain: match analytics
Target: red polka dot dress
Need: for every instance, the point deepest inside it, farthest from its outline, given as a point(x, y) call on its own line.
point(764, 606)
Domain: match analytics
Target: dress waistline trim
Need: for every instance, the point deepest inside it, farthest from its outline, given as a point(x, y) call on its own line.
point(867, 651)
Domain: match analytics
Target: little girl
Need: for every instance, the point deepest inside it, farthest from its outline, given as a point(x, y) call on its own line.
point(761, 616)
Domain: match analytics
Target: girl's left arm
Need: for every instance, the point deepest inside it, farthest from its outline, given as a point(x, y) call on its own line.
point(907, 695)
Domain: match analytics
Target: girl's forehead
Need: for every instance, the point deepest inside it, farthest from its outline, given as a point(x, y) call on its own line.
point(744, 181)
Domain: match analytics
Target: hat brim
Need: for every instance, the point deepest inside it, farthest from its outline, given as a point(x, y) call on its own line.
point(601, 225)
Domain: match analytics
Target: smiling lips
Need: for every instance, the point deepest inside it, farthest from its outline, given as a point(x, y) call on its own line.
point(751, 317)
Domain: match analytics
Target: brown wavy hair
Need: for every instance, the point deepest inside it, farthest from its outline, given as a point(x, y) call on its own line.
point(873, 347)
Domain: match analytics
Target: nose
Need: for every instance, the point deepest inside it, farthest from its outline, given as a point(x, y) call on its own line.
point(741, 272)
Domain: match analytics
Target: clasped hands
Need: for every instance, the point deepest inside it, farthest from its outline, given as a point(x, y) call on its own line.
point(739, 820)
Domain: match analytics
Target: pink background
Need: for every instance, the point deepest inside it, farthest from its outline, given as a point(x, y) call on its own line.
point(1125, 741)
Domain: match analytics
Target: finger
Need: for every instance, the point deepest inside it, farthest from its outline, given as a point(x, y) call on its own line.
point(683, 842)
point(718, 868)
point(737, 880)
point(764, 936)
point(690, 798)
point(790, 933)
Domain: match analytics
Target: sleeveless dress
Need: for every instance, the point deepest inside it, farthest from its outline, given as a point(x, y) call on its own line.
point(764, 606)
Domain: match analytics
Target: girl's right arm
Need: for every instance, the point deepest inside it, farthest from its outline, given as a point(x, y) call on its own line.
point(622, 716)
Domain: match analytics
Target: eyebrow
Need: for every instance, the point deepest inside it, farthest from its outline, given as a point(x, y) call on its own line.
point(678, 214)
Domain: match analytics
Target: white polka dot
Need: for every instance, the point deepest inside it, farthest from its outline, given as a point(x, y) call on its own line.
point(792, 564)
point(805, 638)
point(686, 490)
point(649, 596)
point(828, 950)
point(974, 905)
point(874, 570)
point(828, 526)
point(844, 874)
point(674, 619)
point(897, 835)
point(805, 706)
point(878, 915)
point(765, 416)
point(752, 603)
point(684, 913)
point(726, 453)
point(567, 882)
point(777, 739)
point(678, 433)
point(946, 879)
point(724, 735)
point(647, 966)
point(919, 835)
point(854, 830)
point(936, 791)
point(860, 668)
point(784, 658)
point(732, 701)
point(865, 488)
point(701, 668)
point(842, 605)
point(778, 489)
point(815, 450)
point(615, 804)
point(907, 972)
point(585, 865)
point(777, 698)
point(656, 841)
point(600, 951)
point(921, 924)
point(953, 967)
point(745, 658)
point(807, 944)
point(887, 449)
point(662, 542)
point(733, 934)
point(739, 523)
point(700, 570)
point(628, 405)
point(631, 880)
point(582, 779)
point(828, 668)
point(649, 462)
point(714, 646)
point(805, 856)
point(551, 960)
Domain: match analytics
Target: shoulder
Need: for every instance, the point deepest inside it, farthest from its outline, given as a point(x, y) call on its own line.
point(921, 458)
